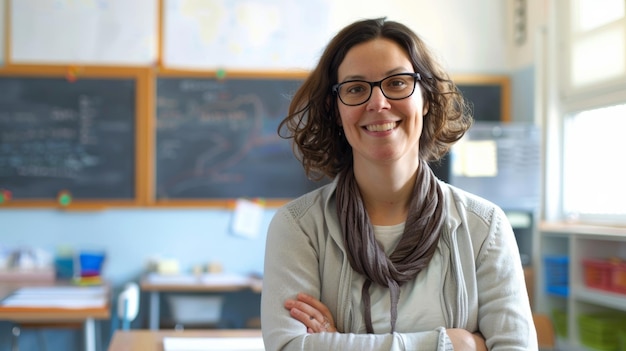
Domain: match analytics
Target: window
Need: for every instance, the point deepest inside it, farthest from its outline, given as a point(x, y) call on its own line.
point(594, 164)
point(592, 110)
point(596, 40)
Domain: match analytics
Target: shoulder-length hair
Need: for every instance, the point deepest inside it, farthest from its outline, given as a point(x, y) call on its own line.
point(312, 119)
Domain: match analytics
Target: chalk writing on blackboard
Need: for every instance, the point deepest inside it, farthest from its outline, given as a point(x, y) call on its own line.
point(61, 136)
point(218, 139)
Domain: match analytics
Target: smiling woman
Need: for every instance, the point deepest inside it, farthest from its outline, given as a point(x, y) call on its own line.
point(387, 256)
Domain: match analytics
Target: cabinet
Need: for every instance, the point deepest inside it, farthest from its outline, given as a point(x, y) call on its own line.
point(576, 243)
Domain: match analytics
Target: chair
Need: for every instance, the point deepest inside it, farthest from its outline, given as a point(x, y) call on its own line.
point(545, 331)
point(128, 304)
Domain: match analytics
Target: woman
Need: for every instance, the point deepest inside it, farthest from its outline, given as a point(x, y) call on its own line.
point(387, 257)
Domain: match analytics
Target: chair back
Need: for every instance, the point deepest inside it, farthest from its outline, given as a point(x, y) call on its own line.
point(128, 304)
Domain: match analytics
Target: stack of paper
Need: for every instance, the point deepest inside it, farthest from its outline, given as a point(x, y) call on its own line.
point(58, 297)
point(212, 344)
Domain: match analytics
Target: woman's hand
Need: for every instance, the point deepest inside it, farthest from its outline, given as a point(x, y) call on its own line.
point(312, 313)
point(463, 340)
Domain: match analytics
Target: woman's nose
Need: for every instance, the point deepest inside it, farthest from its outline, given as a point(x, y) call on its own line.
point(378, 100)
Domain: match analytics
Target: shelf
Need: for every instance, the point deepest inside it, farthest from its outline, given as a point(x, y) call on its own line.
point(599, 297)
point(569, 228)
point(578, 242)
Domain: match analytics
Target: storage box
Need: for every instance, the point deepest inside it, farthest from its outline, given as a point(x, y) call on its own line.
point(557, 275)
point(559, 319)
point(600, 331)
point(194, 309)
point(609, 275)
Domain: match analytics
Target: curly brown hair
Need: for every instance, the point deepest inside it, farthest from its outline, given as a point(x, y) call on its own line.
point(312, 120)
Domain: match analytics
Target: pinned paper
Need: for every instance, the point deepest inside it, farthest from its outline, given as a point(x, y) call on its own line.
point(476, 159)
point(247, 218)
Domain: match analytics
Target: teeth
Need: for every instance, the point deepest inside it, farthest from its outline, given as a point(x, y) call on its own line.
point(380, 127)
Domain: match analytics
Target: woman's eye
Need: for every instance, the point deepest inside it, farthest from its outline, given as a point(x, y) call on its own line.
point(397, 84)
point(355, 89)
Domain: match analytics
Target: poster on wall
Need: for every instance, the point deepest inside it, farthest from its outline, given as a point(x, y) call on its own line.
point(88, 31)
point(241, 34)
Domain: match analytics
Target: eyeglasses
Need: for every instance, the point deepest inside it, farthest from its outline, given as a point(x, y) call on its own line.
point(395, 87)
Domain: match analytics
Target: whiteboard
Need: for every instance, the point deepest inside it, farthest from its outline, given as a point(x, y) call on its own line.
point(106, 32)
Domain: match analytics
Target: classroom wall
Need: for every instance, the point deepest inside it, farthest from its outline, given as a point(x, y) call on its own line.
point(470, 36)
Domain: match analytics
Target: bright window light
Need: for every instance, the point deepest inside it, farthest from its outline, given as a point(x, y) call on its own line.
point(595, 13)
point(598, 57)
point(594, 177)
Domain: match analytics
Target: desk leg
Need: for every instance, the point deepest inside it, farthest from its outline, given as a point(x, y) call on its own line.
point(90, 334)
point(154, 310)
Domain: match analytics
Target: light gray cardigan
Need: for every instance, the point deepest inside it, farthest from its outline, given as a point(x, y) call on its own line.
point(483, 289)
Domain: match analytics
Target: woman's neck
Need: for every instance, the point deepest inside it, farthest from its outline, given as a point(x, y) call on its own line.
point(386, 191)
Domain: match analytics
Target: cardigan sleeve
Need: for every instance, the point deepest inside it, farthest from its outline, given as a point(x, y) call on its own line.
point(292, 266)
point(504, 313)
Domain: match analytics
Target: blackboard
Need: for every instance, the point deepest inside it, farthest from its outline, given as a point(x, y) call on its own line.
point(488, 95)
point(217, 139)
point(63, 135)
point(485, 100)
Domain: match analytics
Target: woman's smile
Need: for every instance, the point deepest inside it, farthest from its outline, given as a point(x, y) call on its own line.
point(381, 127)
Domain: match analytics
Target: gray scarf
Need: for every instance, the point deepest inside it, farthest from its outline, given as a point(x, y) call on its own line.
point(415, 249)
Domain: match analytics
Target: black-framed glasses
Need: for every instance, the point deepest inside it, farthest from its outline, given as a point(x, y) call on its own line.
point(395, 87)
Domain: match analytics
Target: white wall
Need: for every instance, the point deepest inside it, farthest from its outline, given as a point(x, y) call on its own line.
point(469, 35)
point(536, 16)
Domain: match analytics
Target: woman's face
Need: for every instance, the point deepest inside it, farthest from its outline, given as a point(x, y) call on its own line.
point(381, 130)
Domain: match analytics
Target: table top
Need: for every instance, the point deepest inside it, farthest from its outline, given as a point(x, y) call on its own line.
point(152, 340)
point(46, 313)
point(202, 283)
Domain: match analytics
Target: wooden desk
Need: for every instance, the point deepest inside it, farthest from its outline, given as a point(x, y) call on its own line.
point(150, 340)
point(48, 315)
point(156, 285)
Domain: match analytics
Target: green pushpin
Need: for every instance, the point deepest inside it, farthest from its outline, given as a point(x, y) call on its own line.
point(64, 198)
point(221, 73)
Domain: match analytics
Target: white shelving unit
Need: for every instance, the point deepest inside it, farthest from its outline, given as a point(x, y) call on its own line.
point(577, 242)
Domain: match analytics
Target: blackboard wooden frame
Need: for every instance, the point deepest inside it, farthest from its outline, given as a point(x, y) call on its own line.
point(501, 83)
point(143, 100)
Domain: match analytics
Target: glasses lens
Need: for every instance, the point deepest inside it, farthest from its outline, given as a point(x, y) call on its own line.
point(395, 87)
point(354, 92)
point(398, 86)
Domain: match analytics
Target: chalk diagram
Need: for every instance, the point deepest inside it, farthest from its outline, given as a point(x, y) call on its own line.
point(214, 143)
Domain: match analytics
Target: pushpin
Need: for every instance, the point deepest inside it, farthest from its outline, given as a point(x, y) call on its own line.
point(221, 73)
point(72, 74)
point(5, 196)
point(64, 198)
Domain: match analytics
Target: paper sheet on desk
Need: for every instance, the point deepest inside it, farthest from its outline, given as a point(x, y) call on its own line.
point(57, 297)
point(211, 279)
point(213, 344)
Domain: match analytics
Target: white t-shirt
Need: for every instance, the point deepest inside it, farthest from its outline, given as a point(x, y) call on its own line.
point(419, 306)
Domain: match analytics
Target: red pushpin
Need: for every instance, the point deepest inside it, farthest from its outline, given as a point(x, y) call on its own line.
point(5, 196)
point(72, 74)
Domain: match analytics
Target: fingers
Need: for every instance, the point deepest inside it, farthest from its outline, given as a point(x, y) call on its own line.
point(315, 303)
point(312, 313)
